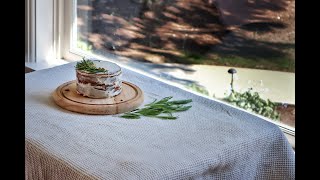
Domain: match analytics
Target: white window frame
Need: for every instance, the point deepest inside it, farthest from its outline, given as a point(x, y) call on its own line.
point(30, 31)
point(42, 43)
point(67, 25)
point(63, 23)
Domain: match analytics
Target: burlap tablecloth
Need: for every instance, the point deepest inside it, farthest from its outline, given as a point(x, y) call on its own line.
point(209, 141)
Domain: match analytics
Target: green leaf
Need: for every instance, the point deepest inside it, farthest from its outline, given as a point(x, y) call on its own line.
point(184, 108)
point(130, 116)
point(149, 112)
point(166, 99)
point(181, 101)
point(167, 117)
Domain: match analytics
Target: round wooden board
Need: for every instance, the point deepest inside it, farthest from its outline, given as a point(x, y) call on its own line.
point(67, 97)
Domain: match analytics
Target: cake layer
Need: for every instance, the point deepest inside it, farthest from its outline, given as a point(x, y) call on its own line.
point(98, 91)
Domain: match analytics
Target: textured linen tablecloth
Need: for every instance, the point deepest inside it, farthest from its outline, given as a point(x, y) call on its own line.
point(209, 141)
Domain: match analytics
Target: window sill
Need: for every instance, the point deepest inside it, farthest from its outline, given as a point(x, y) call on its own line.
point(44, 65)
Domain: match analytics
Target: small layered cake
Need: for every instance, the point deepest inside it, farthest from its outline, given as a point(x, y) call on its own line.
point(98, 79)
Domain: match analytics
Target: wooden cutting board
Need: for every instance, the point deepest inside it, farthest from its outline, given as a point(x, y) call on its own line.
point(67, 97)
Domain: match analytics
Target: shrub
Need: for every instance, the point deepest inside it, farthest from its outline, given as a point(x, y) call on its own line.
point(251, 101)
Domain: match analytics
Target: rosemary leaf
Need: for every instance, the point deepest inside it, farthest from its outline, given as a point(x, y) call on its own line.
point(130, 116)
point(167, 117)
point(181, 101)
point(149, 112)
point(184, 108)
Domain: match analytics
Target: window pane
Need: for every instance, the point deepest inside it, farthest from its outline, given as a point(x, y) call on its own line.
point(196, 42)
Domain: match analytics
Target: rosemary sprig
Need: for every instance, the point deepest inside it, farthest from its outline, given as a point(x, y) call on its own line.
point(161, 109)
point(89, 66)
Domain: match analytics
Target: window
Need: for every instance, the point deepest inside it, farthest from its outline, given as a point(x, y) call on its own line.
point(193, 44)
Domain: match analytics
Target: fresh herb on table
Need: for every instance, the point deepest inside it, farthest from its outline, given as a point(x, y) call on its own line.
point(89, 66)
point(161, 109)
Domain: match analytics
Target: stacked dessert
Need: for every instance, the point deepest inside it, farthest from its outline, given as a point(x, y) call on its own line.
point(98, 79)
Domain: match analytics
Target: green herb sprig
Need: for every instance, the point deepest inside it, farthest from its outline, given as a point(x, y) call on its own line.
point(89, 66)
point(161, 109)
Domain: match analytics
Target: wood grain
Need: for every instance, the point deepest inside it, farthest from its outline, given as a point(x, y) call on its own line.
point(67, 97)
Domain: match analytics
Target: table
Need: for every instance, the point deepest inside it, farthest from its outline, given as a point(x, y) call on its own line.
point(210, 141)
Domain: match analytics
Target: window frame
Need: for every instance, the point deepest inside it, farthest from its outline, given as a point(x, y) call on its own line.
point(30, 31)
point(64, 30)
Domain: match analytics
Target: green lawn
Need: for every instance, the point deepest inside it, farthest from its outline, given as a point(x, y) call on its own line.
point(276, 63)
